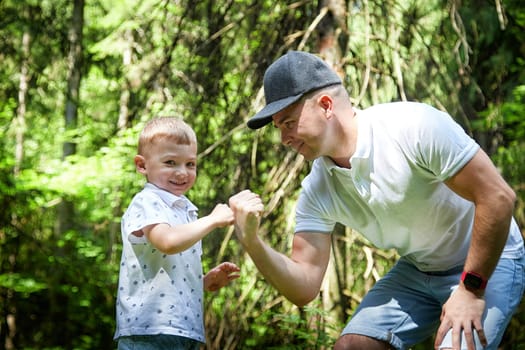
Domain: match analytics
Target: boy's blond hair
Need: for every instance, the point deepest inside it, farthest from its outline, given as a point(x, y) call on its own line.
point(165, 128)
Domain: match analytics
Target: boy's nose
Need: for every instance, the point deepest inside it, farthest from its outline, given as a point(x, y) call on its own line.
point(180, 171)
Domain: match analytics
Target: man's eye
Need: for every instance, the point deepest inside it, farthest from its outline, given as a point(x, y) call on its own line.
point(288, 124)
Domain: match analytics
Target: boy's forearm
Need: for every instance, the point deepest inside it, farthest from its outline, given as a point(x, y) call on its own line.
point(175, 239)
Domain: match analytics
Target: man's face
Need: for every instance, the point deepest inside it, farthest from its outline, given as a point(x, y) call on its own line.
point(302, 126)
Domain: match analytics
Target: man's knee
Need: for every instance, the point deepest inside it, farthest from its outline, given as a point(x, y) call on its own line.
point(360, 342)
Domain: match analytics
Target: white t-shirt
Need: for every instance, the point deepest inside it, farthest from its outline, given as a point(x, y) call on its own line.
point(394, 194)
point(159, 293)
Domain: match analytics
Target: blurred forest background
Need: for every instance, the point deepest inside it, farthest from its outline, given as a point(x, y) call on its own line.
point(78, 80)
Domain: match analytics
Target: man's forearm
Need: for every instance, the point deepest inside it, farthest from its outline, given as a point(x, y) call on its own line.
point(289, 277)
point(489, 235)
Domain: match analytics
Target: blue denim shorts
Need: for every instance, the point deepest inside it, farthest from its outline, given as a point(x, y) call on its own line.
point(403, 308)
point(156, 342)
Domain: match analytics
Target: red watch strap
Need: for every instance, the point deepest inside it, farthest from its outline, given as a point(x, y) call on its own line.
point(483, 281)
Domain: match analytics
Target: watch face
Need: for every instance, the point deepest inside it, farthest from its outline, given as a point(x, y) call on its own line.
point(472, 281)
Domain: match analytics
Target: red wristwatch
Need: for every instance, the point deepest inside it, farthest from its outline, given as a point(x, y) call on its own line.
point(473, 281)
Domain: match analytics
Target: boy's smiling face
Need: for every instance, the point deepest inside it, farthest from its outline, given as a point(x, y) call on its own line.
point(170, 166)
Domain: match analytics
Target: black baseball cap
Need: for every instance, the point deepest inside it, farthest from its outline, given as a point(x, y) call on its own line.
point(288, 79)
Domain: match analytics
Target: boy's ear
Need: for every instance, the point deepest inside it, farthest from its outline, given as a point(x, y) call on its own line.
point(140, 164)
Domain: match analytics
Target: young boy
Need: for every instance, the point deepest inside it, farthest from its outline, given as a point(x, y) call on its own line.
point(159, 302)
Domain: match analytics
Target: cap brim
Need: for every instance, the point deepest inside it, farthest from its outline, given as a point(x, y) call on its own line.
point(264, 116)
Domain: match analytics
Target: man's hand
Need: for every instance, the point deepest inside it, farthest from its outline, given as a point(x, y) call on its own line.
point(220, 276)
point(247, 207)
point(462, 312)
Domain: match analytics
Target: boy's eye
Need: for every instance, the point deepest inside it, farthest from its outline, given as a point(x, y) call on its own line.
point(170, 162)
point(191, 164)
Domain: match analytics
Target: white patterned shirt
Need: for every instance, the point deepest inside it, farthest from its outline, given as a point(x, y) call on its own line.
point(159, 293)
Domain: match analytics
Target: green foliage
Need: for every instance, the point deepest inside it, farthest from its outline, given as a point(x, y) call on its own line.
point(312, 328)
point(20, 284)
point(204, 62)
point(506, 118)
point(506, 122)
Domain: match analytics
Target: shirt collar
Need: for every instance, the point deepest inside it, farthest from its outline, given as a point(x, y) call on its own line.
point(363, 145)
point(170, 199)
point(364, 136)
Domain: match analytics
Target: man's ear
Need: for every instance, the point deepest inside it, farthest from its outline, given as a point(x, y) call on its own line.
point(327, 103)
point(140, 164)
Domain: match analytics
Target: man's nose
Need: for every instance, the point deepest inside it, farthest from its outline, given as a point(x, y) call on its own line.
point(286, 138)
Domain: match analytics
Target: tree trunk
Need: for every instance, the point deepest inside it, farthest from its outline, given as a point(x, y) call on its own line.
point(66, 208)
point(123, 116)
point(20, 129)
point(22, 94)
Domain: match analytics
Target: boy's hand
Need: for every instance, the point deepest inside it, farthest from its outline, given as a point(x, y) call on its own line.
point(223, 215)
point(220, 276)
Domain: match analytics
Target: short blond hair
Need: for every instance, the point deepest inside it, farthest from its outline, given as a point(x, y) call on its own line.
point(165, 128)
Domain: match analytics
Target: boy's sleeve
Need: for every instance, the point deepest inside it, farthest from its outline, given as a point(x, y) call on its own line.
point(143, 211)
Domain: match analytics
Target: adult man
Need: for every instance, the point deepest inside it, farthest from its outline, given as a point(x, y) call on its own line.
point(405, 175)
